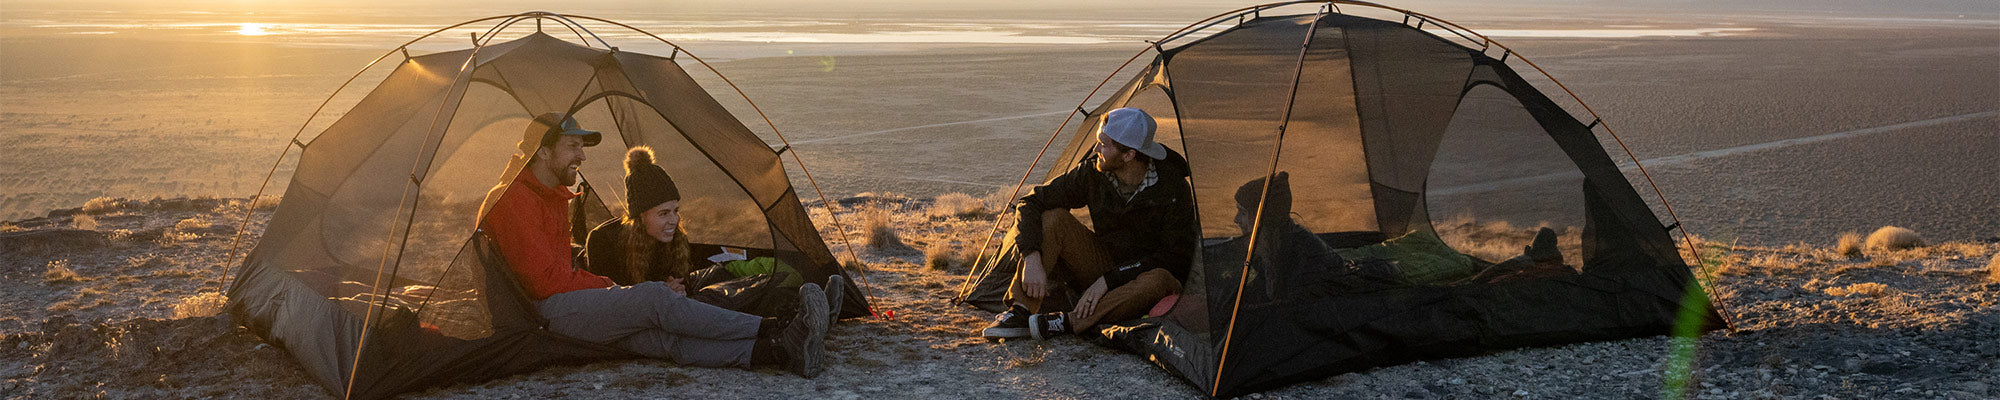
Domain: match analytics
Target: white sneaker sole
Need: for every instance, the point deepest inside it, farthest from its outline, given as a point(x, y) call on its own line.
point(1004, 333)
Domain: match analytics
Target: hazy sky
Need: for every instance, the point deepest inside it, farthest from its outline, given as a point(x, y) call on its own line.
point(1975, 7)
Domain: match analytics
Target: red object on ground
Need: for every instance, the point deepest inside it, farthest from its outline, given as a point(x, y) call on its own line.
point(1166, 304)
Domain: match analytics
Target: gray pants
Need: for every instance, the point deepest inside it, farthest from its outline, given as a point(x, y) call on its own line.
point(655, 321)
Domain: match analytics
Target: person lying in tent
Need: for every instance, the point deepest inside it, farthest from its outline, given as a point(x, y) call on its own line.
point(648, 244)
point(529, 224)
point(1143, 209)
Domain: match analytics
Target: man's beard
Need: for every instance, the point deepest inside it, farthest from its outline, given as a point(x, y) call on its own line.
point(566, 176)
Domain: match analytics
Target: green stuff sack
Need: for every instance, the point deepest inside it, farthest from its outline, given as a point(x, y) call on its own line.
point(1419, 256)
point(765, 265)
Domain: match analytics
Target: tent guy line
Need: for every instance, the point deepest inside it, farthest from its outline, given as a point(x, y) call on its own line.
point(911, 128)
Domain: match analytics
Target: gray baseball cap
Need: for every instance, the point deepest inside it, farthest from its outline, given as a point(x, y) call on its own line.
point(1133, 128)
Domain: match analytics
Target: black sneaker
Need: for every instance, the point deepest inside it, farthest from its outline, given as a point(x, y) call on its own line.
point(836, 293)
point(1010, 324)
point(804, 339)
point(1045, 326)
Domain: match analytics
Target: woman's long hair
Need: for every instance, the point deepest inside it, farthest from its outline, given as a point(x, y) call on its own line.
point(642, 250)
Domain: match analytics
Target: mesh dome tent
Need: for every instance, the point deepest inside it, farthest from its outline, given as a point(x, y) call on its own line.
point(1419, 167)
point(372, 273)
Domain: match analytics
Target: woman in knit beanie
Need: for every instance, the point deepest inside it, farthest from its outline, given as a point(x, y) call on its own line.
point(647, 244)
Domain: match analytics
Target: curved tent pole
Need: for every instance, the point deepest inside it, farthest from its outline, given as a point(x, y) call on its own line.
point(1483, 42)
point(835, 217)
point(1687, 238)
point(250, 207)
point(411, 196)
point(235, 245)
point(561, 19)
point(1256, 225)
point(964, 286)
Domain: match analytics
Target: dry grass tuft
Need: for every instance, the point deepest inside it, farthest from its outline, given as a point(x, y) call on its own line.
point(1993, 268)
point(946, 256)
point(878, 229)
point(848, 262)
point(205, 304)
point(59, 272)
point(1870, 289)
point(266, 202)
point(86, 298)
point(8, 227)
point(192, 224)
point(1894, 238)
point(170, 237)
point(1850, 245)
point(84, 222)
point(959, 205)
point(102, 205)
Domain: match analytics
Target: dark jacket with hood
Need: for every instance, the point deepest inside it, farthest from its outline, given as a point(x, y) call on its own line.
point(605, 255)
point(1154, 230)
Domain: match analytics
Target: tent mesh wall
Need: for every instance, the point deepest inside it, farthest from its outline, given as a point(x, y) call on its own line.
point(1401, 143)
point(376, 236)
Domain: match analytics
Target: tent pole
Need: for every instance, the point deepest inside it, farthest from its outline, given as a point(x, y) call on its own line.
point(965, 286)
point(412, 197)
point(236, 245)
point(1256, 225)
point(867, 287)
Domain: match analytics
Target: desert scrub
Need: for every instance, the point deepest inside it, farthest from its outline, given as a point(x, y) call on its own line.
point(878, 229)
point(58, 271)
point(959, 205)
point(205, 304)
point(1993, 268)
point(1871, 289)
point(1890, 238)
point(1849, 245)
point(103, 205)
point(192, 224)
point(945, 256)
point(84, 222)
point(86, 298)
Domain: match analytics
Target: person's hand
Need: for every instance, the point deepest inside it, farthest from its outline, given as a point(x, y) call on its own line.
point(1034, 280)
point(678, 285)
point(1087, 302)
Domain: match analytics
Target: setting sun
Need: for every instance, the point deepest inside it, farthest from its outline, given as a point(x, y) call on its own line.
point(253, 29)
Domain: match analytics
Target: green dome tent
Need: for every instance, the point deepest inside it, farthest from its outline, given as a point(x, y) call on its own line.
point(371, 272)
point(1418, 167)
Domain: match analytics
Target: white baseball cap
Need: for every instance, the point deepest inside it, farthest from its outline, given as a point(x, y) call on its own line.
point(1133, 128)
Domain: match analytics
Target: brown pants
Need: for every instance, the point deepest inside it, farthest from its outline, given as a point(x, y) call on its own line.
point(1070, 252)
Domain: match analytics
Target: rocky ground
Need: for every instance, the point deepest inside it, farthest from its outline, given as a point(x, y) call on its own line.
point(116, 299)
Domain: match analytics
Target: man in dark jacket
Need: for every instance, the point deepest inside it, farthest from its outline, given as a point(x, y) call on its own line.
point(1145, 238)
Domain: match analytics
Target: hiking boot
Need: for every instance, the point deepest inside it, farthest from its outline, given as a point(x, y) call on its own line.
point(836, 293)
point(1045, 326)
point(804, 338)
point(1010, 324)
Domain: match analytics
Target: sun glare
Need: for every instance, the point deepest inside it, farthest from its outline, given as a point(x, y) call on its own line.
point(252, 29)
